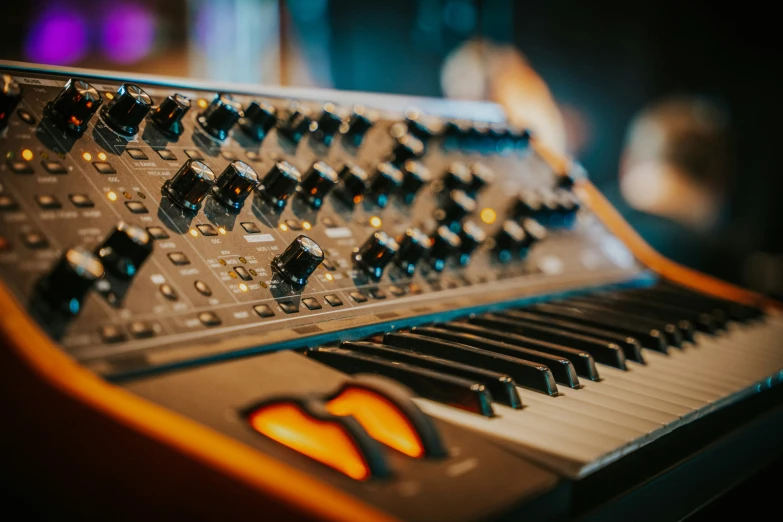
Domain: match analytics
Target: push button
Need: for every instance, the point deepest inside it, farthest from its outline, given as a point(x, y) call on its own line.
point(141, 330)
point(263, 310)
point(333, 300)
point(35, 240)
point(137, 154)
point(168, 292)
point(20, 167)
point(311, 303)
point(250, 228)
point(8, 203)
point(194, 154)
point(178, 258)
point(358, 297)
point(111, 334)
point(157, 233)
point(48, 202)
point(209, 319)
point(377, 293)
point(167, 155)
point(81, 200)
point(207, 230)
point(104, 167)
point(288, 307)
point(203, 288)
point(136, 207)
point(54, 167)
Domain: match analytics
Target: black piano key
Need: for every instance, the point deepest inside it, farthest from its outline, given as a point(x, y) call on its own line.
point(502, 387)
point(603, 351)
point(561, 368)
point(718, 315)
point(733, 310)
point(464, 394)
point(656, 310)
point(650, 338)
point(583, 362)
point(631, 347)
point(526, 374)
point(701, 320)
point(669, 329)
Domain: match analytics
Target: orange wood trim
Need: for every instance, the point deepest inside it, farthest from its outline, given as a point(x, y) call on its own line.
point(33, 367)
point(648, 256)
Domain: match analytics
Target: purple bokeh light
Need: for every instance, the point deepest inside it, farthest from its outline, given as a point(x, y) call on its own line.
point(57, 37)
point(127, 32)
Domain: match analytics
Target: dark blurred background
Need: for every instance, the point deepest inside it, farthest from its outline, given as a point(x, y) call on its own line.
point(671, 107)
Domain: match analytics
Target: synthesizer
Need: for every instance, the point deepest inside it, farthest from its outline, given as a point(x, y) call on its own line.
point(231, 302)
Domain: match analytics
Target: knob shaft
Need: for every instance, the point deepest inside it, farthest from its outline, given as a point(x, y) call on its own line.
point(235, 184)
point(296, 124)
point(423, 127)
point(457, 176)
point(124, 250)
point(190, 185)
point(279, 184)
point(167, 116)
point(317, 183)
point(299, 260)
point(407, 147)
point(73, 107)
point(415, 175)
point(373, 256)
point(481, 176)
point(385, 182)
point(457, 206)
point(258, 120)
point(445, 243)
point(10, 95)
point(328, 124)
point(127, 109)
point(471, 237)
point(413, 246)
point(353, 184)
point(534, 231)
point(66, 286)
point(360, 122)
point(218, 118)
point(510, 240)
point(527, 204)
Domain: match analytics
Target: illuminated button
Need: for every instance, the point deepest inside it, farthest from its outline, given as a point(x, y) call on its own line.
point(253, 156)
point(35, 240)
point(104, 167)
point(243, 274)
point(311, 303)
point(338, 442)
point(48, 202)
point(8, 203)
point(137, 154)
point(396, 291)
point(333, 300)
point(141, 330)
point(157, 233)
point(178, 258)
point(263, 310)
point(203, 288)
point(293, 224)
point(288, 307)
point(377, 293)
point(54, 167)
point(136, 207)
point(81, 200)
point(329, 222)
point(228, 155)
point(168, 292)
point(167, 155)
point(20, 167)
point(111, 334)
point(194, 154)
point(207, 230)
point(209, 318)
point(358, 297)
point(250, 228)
point(26, 117)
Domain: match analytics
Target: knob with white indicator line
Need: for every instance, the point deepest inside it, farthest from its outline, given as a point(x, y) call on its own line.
point(299, 260)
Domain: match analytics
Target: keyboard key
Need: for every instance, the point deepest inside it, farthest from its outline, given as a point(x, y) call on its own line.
point(653, 310)
point(243, 274)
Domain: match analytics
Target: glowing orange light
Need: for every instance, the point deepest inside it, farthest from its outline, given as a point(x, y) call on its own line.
point(112, 196)
point(283, 227)
point(243, 287)
point(27, 154)
point(102, 156)
point(488, 216)
point(329, 277)
point(375, 222)
point(306, 225)
point(193, 232)
point(202, 103)
point(87, 156)
point(109, 95)
point(222, 230)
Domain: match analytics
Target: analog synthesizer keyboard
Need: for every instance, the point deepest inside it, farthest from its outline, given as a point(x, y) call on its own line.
point(232, 302)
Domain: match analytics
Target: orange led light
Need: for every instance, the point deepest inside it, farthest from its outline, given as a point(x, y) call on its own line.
point(326, 442)
point(329, 277)
point(222, 230)
point(283, 227)
point(306, 225)
point(109, 95)
point(488, 216)
point(376, 222)
point(102, 156)
point(87, 156)
point(193, 232)
point(243, 287)
point(27, 154)
point(380, 417)
point(112, 196)
point(202, 103)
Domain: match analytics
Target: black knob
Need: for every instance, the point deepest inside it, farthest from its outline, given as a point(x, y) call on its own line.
point(299, 260)
point(297, 122)
point(235, 184)
point(317, 183)
point(413, 246)
point(279, 184)
point(218, 118)
point(10, 95)
point(527, 204)
point(258, 120)
point(168, 115)
point(521, 139)
point(373, 256)
point(457, 176)
point(445, 243)
point(471, 237)
point(190, 185)
point(423, 127)
point(124, 250)
point(534, 231)
point(385, 182)
point(328, 124)
point(454, 133)
point(567, 207)
point(73, 107)
point(457, 206)
point(407, 147)
point(360, 122)
point(353, 184)
point(127, 109)
point(510, 240)
point(69, 281)
point(481, 176)
point(414, 176)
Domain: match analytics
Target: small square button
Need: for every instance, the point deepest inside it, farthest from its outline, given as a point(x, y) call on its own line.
point(358, 297)
point(167, 155)
point(230, 156)
point(168, 292)
point(250, 228)
point(141, 330)
point(243, 274)
point(311, 303)
point(194, 154)
point(81, 200)
point(288, 307)
point(329, 265)
point(333, 300)
point(293, 224)
point(111, 334)
point(47, 202)
point(328, 222)
point(414, 289)
point(377, 293)
point(54, 167)
point(253, 156)
point(137, 154)
point(203, 288)
point(178, 258)
point(157, 233)
point(104, 167)
point(263, 310)
point(20, 167)
point(8, 203)
point(207, 230)
point(35, 240)
point(209, 318)
point(396, 291)
point(137, 207)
